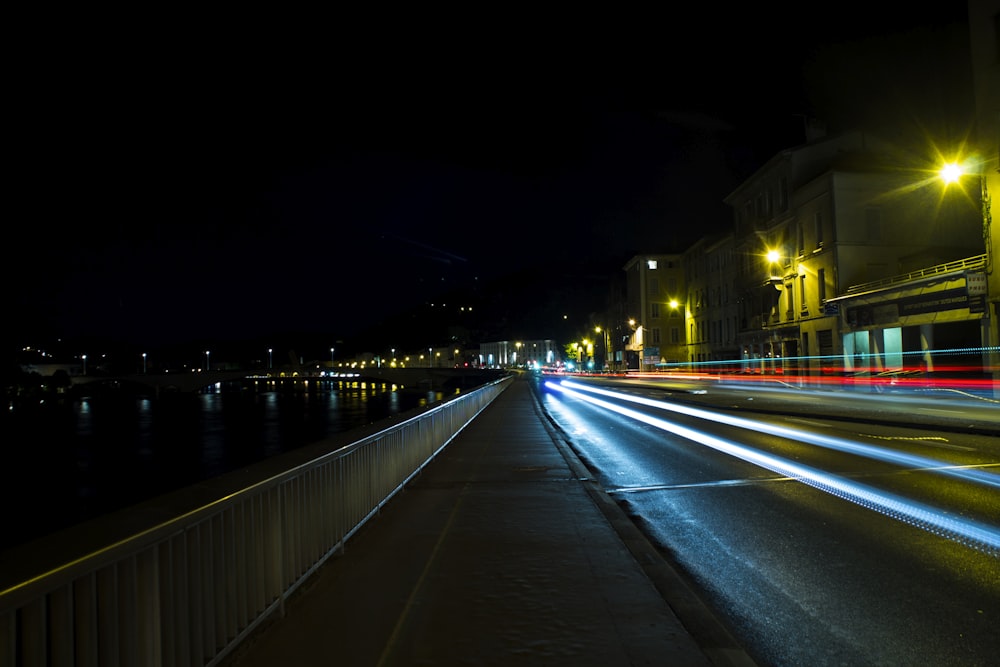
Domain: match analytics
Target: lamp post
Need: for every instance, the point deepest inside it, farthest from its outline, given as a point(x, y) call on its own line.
point(608, 352)
point(951, 173)
point(208, 363)
point(270, 359)
point(143, 363)
point(636, 342)
point(84, 364)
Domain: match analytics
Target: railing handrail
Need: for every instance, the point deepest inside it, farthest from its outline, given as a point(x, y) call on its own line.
point(948, 267)
point(273, 531)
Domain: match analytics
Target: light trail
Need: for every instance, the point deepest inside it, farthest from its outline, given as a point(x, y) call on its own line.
point(971, 533)
point(829, 442)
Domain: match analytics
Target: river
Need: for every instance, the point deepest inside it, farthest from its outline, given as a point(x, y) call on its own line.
point(73, 459)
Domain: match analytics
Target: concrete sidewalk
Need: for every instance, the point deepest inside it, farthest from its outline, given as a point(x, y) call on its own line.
point(502, 552)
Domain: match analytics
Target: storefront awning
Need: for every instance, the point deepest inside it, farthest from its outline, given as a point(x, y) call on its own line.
point(941, 298)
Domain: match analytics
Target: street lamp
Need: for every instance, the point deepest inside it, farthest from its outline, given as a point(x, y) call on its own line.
point(331, 355)
point(208, 363)
point(952, 172)
point(270, 358)
point(84, 364)
point(608, 351)
point(143, 363)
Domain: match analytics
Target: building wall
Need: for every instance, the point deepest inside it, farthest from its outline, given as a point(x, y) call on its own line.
point(711, 310)
point(850, 219)
point(984, 38)
point(653, 281)
point(511, 353)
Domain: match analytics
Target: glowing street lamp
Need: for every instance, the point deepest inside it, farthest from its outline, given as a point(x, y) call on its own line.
point(208, 363)
point(143, 363)
point(270, 358)
point(953, 172)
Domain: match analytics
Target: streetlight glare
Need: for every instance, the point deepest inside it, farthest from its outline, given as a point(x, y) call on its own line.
point(772, 255)
point(951, 172)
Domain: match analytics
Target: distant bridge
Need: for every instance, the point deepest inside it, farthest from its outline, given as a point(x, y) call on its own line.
point(431, 379)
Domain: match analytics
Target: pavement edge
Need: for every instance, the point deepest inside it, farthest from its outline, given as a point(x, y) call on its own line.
point(715, 640)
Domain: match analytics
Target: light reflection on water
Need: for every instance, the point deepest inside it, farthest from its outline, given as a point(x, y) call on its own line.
point(80, 459)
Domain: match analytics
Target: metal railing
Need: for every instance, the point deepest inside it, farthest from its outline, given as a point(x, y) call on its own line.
point(967, 264)
point(186, 591)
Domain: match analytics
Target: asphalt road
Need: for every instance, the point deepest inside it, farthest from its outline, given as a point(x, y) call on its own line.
point(825, 528)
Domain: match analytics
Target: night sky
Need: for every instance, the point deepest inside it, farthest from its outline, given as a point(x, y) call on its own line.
point(182, 185)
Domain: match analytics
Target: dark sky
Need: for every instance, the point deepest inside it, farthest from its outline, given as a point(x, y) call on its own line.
point(182, 184)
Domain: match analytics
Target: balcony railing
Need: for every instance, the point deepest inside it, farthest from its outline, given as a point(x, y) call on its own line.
point(967, 264)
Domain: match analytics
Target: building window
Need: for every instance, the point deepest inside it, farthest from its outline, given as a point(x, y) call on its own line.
point(821, 285)
point(654, 286)
point(651, 264)
point(655, 335)
point(800, 241)
point(824, 339)
point(654, 311)
point(802, 292)
point(818, 224)
point(675, 335)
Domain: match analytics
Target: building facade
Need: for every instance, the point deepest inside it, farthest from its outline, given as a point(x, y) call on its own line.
point(839, 259)
point(816, 222)
point(519, 353)
point(655, 295)
point(711, 310)
point(984, 39)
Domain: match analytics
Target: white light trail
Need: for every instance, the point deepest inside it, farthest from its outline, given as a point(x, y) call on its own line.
point(971, 533)
point(829, 442)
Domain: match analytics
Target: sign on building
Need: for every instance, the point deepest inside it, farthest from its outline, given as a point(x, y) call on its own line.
point(975, 283)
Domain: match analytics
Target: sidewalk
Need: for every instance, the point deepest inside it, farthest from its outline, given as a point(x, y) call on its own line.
point(502, 552)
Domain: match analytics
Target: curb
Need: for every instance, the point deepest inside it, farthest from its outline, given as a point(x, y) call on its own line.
point(715, 640)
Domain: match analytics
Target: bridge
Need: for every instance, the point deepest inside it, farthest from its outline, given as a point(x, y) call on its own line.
point(512, 553)
point(430, 379)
